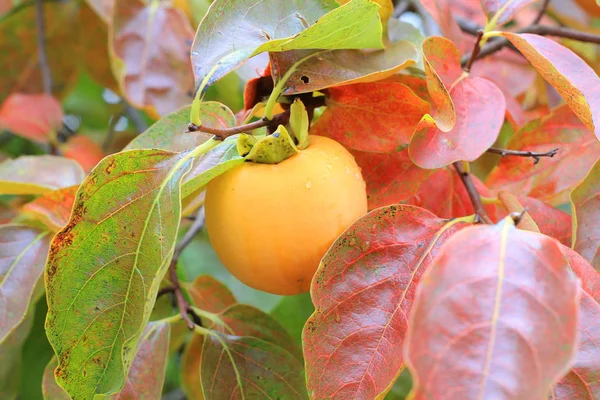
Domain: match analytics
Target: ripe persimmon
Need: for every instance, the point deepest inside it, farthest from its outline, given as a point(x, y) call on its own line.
point(270, 224)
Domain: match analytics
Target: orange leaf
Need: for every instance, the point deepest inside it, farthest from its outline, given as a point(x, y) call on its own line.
point(552, 179)
point(367, 116)
point(53, 208)
point(572, 77)
point(84, 150)
point(33, 116)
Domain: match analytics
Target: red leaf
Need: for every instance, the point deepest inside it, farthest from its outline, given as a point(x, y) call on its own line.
point(552, 179)
point(582, 382)
point(393, 178)
point(209, 294)
point(441, 11)
point(504, 298)
point(572, 77)
point(480, 108)
point(152, 43)
point(507, 8)
point(585, 201)
point(33, 116)
point(363, 291)
point(377, 117)
point(53, 208)
point(551, 221)
point(84, 150)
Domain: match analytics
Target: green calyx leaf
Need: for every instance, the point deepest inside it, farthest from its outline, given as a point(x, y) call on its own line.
point(299, 123)
point(271, 149)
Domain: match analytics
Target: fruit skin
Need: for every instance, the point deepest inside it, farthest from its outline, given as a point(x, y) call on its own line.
point(270, 224)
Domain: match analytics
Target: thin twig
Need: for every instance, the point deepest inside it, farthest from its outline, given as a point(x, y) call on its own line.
point(223, 133)
point(542, 30)
point(540, 15)
point(182, 304)
point(110, 134)
point(474, 52)
point(473, 193)
point(135, 116)
point(533, 154)
point(41, 42)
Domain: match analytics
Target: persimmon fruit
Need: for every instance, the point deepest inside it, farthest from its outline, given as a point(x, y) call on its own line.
point(270, 224)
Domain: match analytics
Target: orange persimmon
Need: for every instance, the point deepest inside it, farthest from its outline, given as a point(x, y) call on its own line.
point(270, 224)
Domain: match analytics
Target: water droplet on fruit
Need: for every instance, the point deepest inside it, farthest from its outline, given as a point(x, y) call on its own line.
point(357, 176)
point(308, 184)
point(347, 169)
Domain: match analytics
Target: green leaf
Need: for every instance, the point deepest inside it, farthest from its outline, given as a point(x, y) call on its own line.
point(169, 132)
point(147, 372)
point(212, 164)
point(250, 368)
point(24, 250)
point(105, 266)
point(232, 32)
point(299, 123)
point(38, 174)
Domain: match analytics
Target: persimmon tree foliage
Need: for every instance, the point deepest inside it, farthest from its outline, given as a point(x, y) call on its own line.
point(429, 169)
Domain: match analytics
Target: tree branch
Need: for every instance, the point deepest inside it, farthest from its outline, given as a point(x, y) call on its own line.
point(474, 52)
point(542, 30)
point(533, 154)
point(223, 133)
point(41, 42)
point(182, 304)
point(540, 15)
point(473, 193)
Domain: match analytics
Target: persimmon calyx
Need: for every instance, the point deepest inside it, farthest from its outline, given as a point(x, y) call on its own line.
point(271, 149)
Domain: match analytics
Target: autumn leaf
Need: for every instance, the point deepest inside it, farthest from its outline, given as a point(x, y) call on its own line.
point(491, 300)
point(552, 179)
point(150, 48)
point(340, 67)
point(267, 26)
point(209, 294)
point(572, 77)
point(502, 11)
point(441, 11)
point(20, 71)
point(367, 116)
point(585, 204)
point(52, 208)
point(362, 292)
point(480, 108)
point(231, 360)
point(169, 133)
point(393, 178)
point(273, 372)
point(94, 46)
point(84, 150)
point(33, 116)
point(24, 250)
point(105, 265)
point(581, 382)
point(550, 221)
point(38, 174)
point(146, 375)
